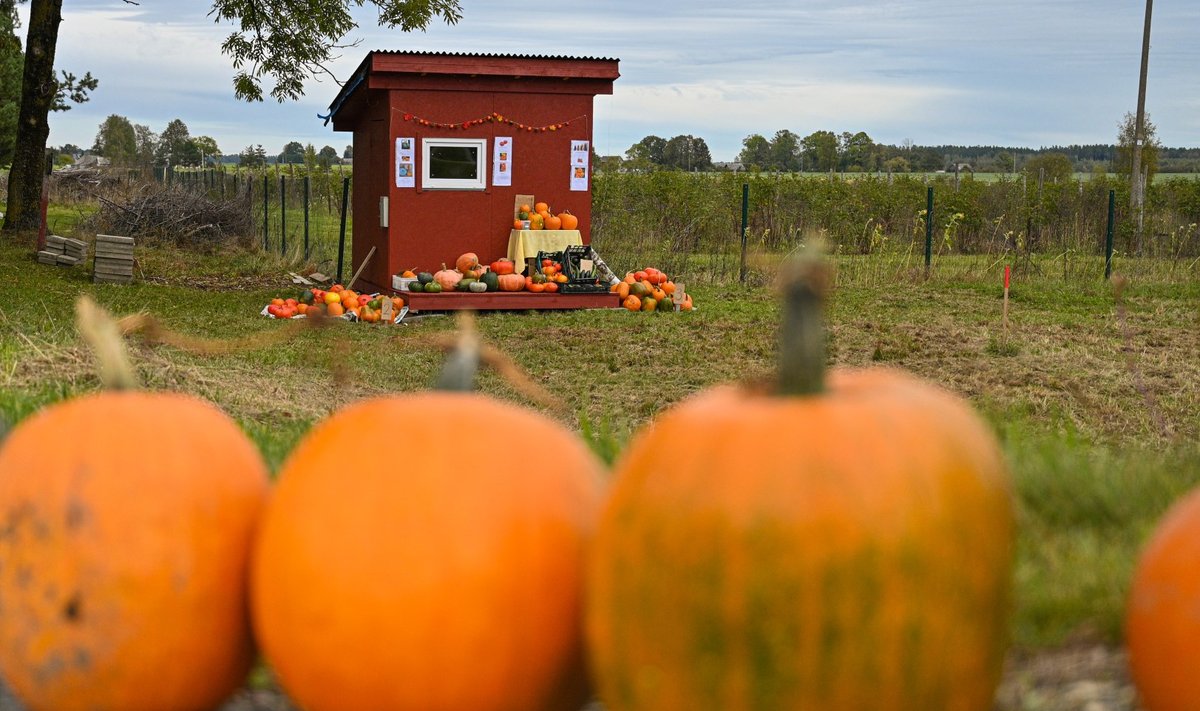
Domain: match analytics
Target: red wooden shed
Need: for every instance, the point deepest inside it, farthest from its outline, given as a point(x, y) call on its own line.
point(445, 142)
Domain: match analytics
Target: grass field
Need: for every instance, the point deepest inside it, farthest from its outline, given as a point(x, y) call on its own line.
point(1096, 405)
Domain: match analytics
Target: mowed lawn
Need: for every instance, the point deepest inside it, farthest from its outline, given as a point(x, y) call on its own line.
point(1094, 400)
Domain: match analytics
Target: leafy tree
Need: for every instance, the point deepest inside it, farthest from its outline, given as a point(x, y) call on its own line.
point(647, 152)
point(756, 152)
point(116, 140)
point(687, 153)
point(289, 42)
point(820, 149)
point(897, 164)
point(1123, 162)
point(253, 157)
point(12, 59)
point(147, 144)
point(175, 146)
point(207, 148)
point(327, 157)
point(785, 151)
point(1051, 167)
point(295, 40)
point(858, 152)
point(348, 154)
point(1005, 162)
point(293, 152)
point(41, 92)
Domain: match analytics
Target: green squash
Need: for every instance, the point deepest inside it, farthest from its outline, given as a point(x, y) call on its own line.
point(424, 278)
point(464, 284)
point(491, 280)
point(433, 288)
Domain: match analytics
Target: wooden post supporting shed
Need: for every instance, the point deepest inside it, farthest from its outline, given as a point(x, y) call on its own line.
point(445, 142)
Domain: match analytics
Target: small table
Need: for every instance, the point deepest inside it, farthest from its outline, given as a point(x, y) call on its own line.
point(525, 244)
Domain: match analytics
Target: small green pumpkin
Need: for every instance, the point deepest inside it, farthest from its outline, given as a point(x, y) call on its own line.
point(490, 280)
point(464, 284)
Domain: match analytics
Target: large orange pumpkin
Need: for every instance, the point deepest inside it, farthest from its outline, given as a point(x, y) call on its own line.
point(128, 522)
point(569, 221)
point(1162, 628)
point(395, 576)
point(815, 545)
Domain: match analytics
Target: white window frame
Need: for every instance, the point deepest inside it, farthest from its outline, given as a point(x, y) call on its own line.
point(430, 183)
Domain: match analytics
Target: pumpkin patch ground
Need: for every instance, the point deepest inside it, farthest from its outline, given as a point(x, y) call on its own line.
point(1094, 414)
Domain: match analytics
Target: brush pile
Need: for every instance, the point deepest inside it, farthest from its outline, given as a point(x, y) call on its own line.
point(187, 219)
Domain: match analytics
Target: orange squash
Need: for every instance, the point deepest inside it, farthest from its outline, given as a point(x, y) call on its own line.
point(467, 262)
point(1161, 626)
point(828, 544)
point(422, 585)
point(541, 207)
point(123, 571)
point(552, 222)
point(510, 282)
point(569, 221)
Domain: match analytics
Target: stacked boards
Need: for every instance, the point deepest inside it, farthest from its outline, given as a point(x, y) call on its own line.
point(62, 251)
point(114, 260)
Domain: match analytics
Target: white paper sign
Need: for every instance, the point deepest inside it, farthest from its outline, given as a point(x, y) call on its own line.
point(502, 161)
point(580, 155)
point(406, 162)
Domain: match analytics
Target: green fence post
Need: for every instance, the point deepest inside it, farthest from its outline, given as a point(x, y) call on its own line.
point(306, 188)
point(266, 213)
point(928, 230)
point(282, 215)
point(1108, 235)
point(745, 226)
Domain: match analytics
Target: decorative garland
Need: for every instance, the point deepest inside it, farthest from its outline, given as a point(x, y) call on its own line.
point(491, 118)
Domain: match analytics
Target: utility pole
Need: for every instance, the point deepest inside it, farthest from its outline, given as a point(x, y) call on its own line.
point(1136, 196)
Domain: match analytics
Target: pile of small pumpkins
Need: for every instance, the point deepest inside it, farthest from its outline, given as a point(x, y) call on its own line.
point(469, 274)
point(650, 289)
point(539, 217)
point(336, 302)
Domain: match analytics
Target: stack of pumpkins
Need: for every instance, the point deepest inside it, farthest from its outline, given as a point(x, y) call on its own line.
point(539, 217)
point(468, 274)
point(759, 547)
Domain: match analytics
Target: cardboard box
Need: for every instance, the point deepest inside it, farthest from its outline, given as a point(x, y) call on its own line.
point(522, 200)
point(400, 283)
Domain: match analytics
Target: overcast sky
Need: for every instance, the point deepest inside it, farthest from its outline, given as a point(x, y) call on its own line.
point(1023, 73)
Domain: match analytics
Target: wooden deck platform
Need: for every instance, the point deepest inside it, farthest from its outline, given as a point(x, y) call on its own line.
point(506, 301)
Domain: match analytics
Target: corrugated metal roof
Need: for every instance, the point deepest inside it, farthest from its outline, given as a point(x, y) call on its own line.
point(361, 73)
point(492, 55)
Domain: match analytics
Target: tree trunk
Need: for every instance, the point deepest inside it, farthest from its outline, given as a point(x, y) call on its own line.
point(33, 127)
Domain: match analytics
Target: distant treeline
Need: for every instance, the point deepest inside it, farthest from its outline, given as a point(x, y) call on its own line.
point(1085, 157)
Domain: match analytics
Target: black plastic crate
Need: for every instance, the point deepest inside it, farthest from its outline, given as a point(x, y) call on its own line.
point(589, 287)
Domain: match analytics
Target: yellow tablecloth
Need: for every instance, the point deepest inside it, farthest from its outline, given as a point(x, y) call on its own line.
point(525, 244)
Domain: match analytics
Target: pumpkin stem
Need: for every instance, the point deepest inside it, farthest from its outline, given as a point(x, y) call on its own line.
point(802, 333)
point(104, 336)
point(461, 366)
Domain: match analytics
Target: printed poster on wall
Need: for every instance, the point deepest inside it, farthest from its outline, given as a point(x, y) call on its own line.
point(502, 161)
point(406, 162)
point(580, 153)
